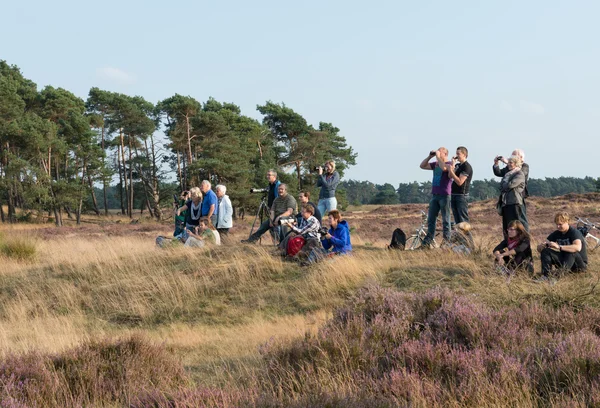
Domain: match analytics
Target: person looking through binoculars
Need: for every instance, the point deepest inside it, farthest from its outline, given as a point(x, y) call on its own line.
point(283, 207)
point(328, 180)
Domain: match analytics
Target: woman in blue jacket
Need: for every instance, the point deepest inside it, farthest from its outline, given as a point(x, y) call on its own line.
point(337, 240)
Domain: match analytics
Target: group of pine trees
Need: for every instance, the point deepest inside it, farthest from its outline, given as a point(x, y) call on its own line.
point(56, 149)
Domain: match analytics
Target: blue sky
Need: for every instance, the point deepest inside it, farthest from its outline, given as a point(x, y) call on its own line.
point(398, 78)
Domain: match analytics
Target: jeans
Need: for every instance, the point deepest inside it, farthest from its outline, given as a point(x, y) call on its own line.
point(264, 227)
point(460, 208)
point(327, 204)
point(438, 203)
point(571, 261)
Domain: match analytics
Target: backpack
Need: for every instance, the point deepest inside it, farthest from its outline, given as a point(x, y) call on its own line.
point(294, 245)
point(398, 240)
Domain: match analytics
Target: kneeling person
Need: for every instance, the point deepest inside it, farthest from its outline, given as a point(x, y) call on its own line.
point(564, 248)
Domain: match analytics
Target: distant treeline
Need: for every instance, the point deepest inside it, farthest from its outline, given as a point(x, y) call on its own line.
point(365, 192)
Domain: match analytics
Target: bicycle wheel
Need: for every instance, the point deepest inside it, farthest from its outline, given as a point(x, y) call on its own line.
point(591, 242)
point(413, 242)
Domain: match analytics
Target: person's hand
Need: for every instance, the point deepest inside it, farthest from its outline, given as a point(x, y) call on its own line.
point(501, 261)
point(504, 160)
point(328, 235)
point(553, 245)
point(320, 170)
point(432, 153)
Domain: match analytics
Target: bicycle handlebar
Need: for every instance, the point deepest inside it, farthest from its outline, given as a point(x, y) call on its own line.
point(586, 222)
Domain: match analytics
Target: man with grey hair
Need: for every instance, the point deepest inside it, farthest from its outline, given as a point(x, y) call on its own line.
point(209, 204)
point(498, 172)
point(283, 206)
point(224, 211)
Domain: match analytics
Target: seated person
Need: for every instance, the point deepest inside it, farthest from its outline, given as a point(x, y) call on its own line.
point(192, 211)
point(461, 240)
point(514, 252)
point(304, 198)
point(284, 206)
point(180, 219)
point(309, 229)
point(337, 240)
point(565, 248)
point(201, 236)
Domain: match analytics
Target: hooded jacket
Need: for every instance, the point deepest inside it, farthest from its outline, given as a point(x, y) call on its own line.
point(340, 239)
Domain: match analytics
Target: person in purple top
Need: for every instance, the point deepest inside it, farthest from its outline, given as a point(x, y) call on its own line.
point(441, 186)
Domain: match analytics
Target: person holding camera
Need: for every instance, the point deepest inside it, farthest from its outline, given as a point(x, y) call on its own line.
point(337, 239)
point(284, 206)
point(328, 181)
point(225, 211)
point(510, 202)
point(441, 186)
point(565, 248)
point(461, 180)
point(180, 219)
point(498, 172)
point(514, 252)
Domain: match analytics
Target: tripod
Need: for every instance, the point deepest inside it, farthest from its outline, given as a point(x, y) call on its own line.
point(261, 214)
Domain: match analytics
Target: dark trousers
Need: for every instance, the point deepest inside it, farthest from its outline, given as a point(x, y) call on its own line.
point(513, 212)
point(264, 227)
point(460, 208)
point(223, 231)
point(571, 261)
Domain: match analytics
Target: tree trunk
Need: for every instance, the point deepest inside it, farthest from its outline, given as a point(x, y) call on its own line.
point(130, 208)
point(124, 172)
point(2, 216)
point(94, 201)
point(299, 178)
point(120, 180)
point(189, 138)
point(103, 178)
point(181, 186)
point(155, 183)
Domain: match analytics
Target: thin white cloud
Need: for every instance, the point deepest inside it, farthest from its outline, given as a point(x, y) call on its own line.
point(531, 107)
point(506, 106)
point(115, 75)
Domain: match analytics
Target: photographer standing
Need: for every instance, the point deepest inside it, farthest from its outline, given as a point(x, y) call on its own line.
point(328, 182)
point(461, 180)
point(284, 205)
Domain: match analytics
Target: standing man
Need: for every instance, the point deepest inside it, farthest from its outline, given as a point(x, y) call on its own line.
point(461, 176)
point(440, 190)
point(565, 248)
point(283, 206)
point(209, 204)
point(304, 198)
point(273, 187)
point(225, 211)
point(328, 182)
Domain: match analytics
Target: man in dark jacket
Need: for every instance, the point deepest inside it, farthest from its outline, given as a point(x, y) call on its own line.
point(564, 248)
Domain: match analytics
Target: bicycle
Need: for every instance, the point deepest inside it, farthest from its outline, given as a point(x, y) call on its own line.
point(585, 226)
point(416, 240)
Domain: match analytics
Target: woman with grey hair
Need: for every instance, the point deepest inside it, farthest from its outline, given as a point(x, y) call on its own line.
point(510, 202)
point(225, 211)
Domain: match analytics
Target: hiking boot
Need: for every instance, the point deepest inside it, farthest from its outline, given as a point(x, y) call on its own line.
point(248, 241)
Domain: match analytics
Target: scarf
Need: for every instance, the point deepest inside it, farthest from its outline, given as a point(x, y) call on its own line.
point(195, 211)
point(512, 243)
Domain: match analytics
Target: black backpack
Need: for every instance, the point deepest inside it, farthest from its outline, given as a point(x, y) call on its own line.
point(398, 240)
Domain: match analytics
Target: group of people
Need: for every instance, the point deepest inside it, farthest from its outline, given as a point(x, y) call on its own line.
point(290, 225)
point(563, 249)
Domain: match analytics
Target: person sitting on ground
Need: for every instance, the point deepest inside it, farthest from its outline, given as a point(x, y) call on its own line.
point(514, 252)
point(192, 208)
point(201, 235)
point(304, 198)
point(284, 206)
point(309, 229)
point(215, 232)
point(225, 213)
point(337, 240)
point(565, 248)
point(461, 239)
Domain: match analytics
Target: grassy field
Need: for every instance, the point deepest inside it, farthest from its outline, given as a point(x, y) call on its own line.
point(237, 326)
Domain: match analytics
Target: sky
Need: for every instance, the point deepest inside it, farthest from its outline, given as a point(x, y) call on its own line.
point(399, 78)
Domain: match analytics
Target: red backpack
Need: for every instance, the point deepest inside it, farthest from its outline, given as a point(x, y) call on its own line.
point(295, 244)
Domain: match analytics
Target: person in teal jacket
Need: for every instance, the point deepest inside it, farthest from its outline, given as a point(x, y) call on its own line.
point(337, 240)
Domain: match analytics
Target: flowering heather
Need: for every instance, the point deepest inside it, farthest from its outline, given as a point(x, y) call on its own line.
point(439, 348)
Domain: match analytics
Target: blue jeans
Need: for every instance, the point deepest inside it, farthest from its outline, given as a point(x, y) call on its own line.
point(460, 208)
point(438, 203)
point(327, 204)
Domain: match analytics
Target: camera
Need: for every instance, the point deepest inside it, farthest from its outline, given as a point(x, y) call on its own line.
point(316, 168)
point(286, 221)
point(432, 153)
point(499, 157)
point(323, 230)
point(259, 190)
point(547, 245)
